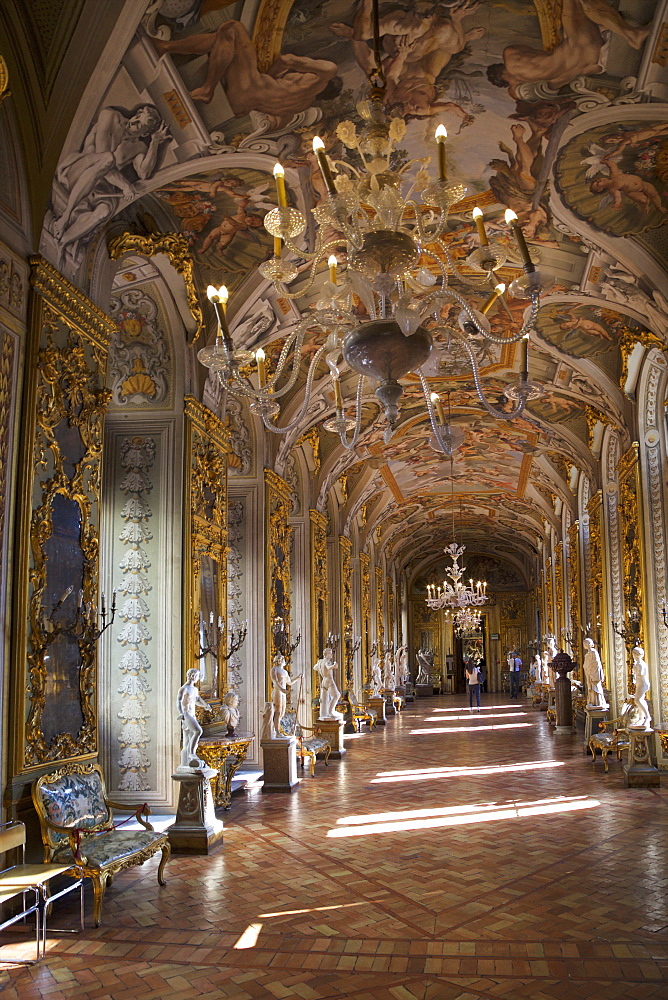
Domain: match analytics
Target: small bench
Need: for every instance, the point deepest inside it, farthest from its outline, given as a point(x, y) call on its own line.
point(307, 746)
point(76, 818)
point(613, 736)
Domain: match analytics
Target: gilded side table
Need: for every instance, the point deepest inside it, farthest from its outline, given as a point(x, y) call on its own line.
point(225, 754)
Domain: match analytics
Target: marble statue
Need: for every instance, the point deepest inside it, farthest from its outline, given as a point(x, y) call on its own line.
point(326, 668)
point(389, 682)
point(401, 671)
point(551, 653)
point(376, 678)
point(641, 714)
point(281, 681)
point(593, 671)
point(187, 701)
point(544, 669)
point(425, 663)
point(536, 669)
point(229, 713)
point(267, 730)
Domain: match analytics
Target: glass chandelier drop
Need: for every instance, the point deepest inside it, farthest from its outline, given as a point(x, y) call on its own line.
point(464, 621)
point(381, 230)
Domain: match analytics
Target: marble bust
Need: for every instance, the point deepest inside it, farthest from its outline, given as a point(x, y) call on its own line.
point(229, 712)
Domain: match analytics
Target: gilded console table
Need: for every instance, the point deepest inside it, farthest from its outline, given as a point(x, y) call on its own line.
point(225, 754)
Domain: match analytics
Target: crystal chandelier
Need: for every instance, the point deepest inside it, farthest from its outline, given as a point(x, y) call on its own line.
point(381, 229)
point(464, 621)
point(452, 593)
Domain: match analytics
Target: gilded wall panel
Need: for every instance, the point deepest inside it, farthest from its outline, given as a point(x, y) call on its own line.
point(346, 598)
point(596, 576)
point(574, 584)
point(633, 545)
point(559, 591)
point(365, 598)
point(277, 565)
point(205, 566)
point(55, 651)
point(380, 617)
point(549, 599)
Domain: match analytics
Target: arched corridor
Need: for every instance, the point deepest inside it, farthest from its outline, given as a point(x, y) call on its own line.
point(449, 856)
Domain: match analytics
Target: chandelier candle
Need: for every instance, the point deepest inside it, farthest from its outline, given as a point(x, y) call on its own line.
point(441, 136)
point(436, 400)
point(323, 163)
point(332, 262)
point(511, 220)
point(524, 358)
point(476, 215)
point(497, 293)
point(338, 399)
point(261, 369)
point(218, 298)
point(279, 175)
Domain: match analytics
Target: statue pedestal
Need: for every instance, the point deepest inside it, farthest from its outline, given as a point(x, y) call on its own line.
point(389, 704)
point(279, 759)
point(332, 730)
point(563, 698)
point(378, 704)
point(196, 829)
point(639, 772)
point(424, 690)
point(592, 718)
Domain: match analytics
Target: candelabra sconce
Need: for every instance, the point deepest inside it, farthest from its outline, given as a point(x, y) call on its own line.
point(236, 637)
point(352, 645)
point(209, 635)
point(282, 642)
point(569, 637)
point(85, 627)
point(628, 630)
point(664, 614)
point(332, 641)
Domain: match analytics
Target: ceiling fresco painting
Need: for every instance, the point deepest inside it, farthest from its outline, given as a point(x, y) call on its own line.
point(556, 109)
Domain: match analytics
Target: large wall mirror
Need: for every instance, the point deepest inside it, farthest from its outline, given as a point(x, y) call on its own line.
point(205, 620)
point(55, 653)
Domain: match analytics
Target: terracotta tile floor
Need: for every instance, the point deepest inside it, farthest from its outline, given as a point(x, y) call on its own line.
point(448, 856)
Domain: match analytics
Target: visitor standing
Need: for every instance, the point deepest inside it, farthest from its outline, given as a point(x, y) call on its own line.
point(473, 682)
point(514, 668)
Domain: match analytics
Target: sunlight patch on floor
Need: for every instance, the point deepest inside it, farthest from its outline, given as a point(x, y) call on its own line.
point(428, 773)
point(470, 729)
point(429, 819)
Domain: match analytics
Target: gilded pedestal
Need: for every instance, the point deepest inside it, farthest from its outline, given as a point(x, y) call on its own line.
point(592, 718)
point(378, 704)
point(424, 690)
point(389, 703)
point(639, 772)
point(196, 829)
point(332, 730)
point(280, 764)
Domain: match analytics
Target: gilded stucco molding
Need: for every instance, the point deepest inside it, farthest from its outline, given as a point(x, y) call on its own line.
point(346, 594)
point(177, 249)
point(380, 618)
point(277, 562)
point(72, 306)
point(559, 589)
point(656, 571)
point(365, 601)
point(628, 342)
point(620, 668)
point(4, 80)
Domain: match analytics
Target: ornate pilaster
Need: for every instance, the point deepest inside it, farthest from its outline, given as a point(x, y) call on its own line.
point(380, 618)
point(612, 570)
point(277, 561)
point(346, 591)
point(365, 602)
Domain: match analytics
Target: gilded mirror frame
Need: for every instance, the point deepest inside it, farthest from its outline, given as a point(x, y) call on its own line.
point(63, 420)
point(207, 445)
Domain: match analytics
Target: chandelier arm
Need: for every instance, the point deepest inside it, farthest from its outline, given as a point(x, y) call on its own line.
point(425, 235)
point(479, 283)
point(352, 444)
point(315, 259)
point(527, 326)
point(499, 414)
point(307, 398)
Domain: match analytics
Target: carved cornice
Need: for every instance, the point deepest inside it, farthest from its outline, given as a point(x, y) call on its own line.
point(207, 422)
point(177, 249)
point(629, 340)
point(75, 308)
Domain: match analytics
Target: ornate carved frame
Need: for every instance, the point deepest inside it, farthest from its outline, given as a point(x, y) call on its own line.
point(380, 617)
point(277, 564)
point(632, 538)
point(177, 249)
point(319, 588)
point(365, 600)
point(346, 583)
point(66, 360)
point(207, 445)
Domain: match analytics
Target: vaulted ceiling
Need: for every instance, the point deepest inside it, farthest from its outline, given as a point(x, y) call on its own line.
point(554, 109)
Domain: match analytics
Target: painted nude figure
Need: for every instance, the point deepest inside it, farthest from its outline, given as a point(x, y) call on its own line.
point(289, 86)
point(578, 54)
point(187, 701)
point(417, 49)
point(95, 180)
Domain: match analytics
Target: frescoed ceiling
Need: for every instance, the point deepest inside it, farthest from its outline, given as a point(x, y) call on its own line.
point(556, 109)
